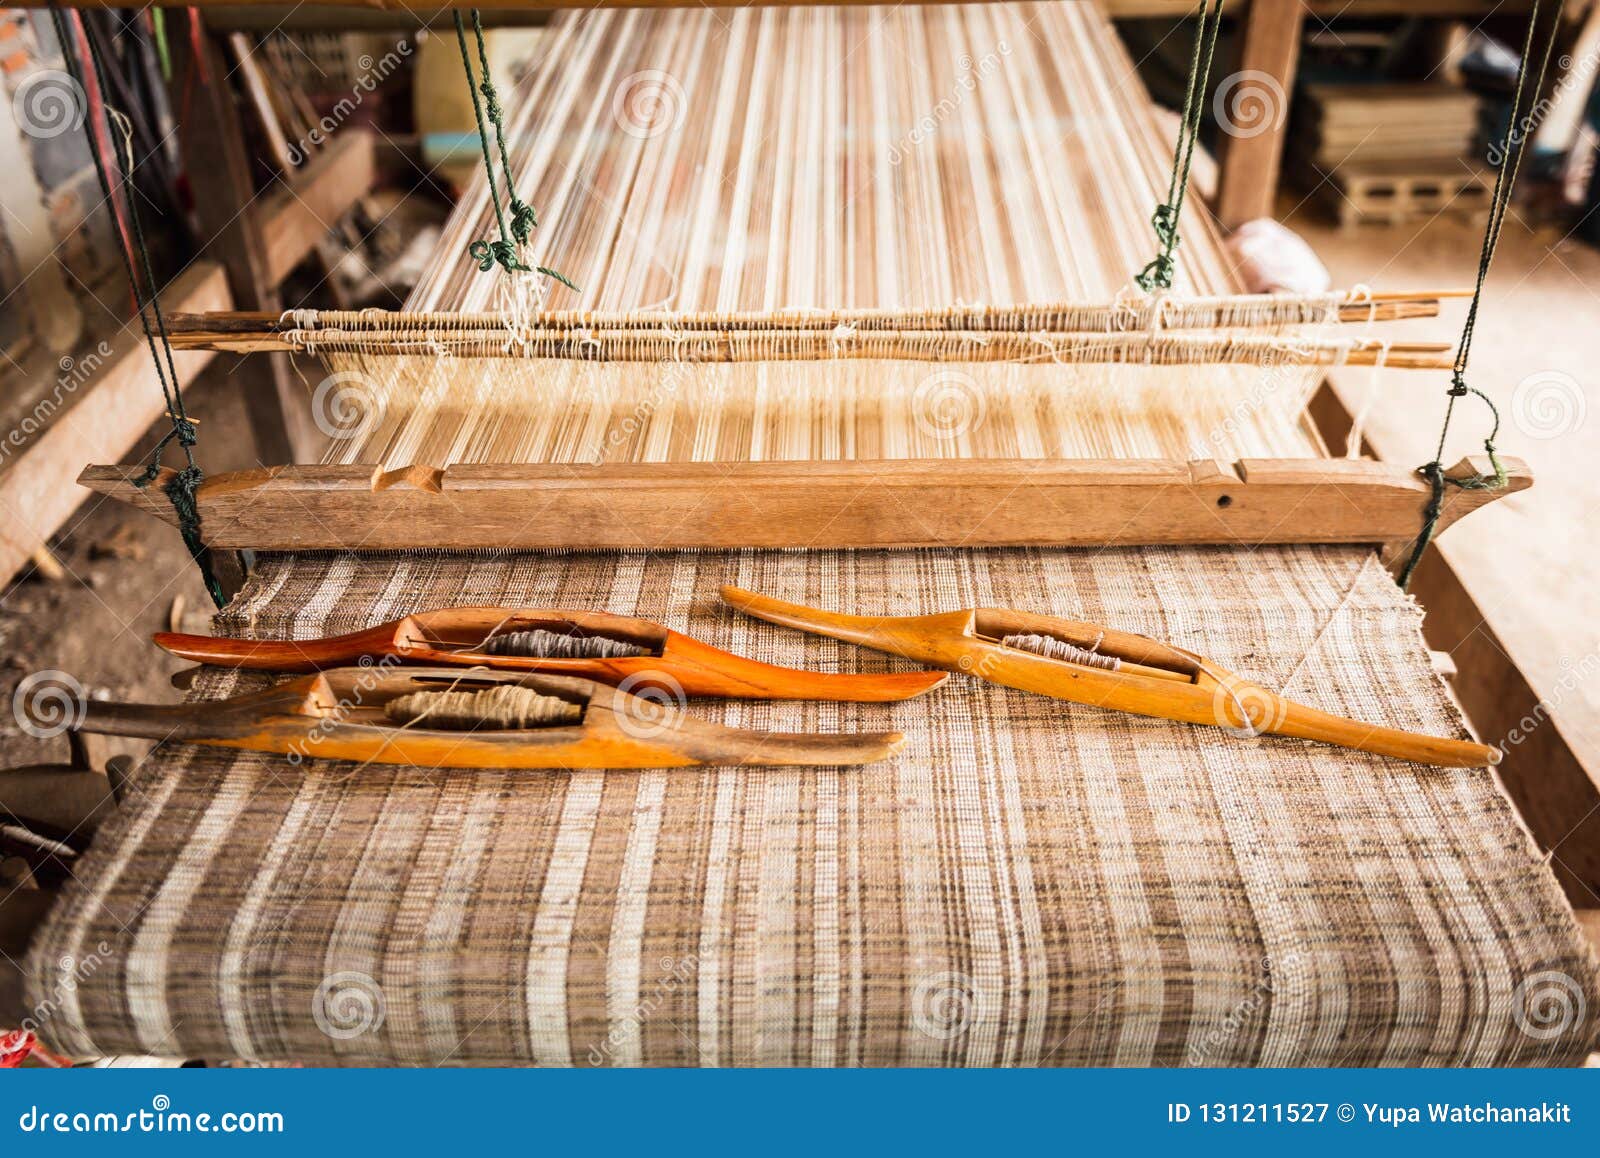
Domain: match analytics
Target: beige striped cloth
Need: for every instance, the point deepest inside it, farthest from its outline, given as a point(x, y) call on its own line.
point(1028, 883)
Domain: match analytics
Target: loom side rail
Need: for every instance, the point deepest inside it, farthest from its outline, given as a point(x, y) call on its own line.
point(814, 504)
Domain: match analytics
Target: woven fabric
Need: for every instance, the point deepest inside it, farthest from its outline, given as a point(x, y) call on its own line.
point(1028, 882)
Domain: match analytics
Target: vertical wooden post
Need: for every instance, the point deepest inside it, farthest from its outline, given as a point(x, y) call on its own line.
point(1258, 91)
point(219, 169)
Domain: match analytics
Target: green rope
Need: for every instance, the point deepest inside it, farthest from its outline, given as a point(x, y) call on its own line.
point(523, 218)
point(1499, 205)
point(491, 252)
point(180, 489)
point(1158, 274)
point(158, 26)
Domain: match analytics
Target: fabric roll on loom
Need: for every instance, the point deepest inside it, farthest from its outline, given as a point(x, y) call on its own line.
point(1021, 884)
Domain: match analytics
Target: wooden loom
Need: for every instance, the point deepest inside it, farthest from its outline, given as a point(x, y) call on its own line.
point(387, 492)
point(776, 487)
point(882, 500)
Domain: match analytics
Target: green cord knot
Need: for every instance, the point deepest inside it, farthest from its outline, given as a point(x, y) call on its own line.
point(523, 219)
point(1434, 473)
point(183, 432)
point(491, 101)
point(180, 492)
point(1157, 275)
point(1437, 480)
point(1162, 269)
point(488, 113)
point(488, 254)
point(1165, 223)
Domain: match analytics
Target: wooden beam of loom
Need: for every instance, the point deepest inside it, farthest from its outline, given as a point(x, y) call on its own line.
point(1229, 311)
point(295, 215)
point(812, 504)
point(699, 346)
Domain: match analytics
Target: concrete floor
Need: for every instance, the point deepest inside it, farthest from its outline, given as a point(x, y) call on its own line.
point(1530, 561)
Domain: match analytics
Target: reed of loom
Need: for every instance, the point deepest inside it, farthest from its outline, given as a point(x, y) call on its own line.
point(773, 345)
point(240, 329)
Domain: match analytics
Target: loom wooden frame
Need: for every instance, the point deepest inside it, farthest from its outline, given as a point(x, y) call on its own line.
point(814, 504)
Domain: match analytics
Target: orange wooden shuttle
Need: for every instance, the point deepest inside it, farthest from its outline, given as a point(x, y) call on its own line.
point(345, 714)
point(612, 649)
point(1099, 666)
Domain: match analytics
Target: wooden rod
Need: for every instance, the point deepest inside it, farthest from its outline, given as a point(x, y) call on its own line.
point(846, 504)
point(1176, 314)
point(718, 346)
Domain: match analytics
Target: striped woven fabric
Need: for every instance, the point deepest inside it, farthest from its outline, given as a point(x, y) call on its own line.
point(1028, 883)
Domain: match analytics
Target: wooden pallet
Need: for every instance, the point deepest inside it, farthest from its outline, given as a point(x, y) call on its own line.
point(1400, 192)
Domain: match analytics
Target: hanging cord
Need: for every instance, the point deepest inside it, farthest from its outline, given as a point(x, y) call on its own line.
point(180, 490)
point(506, 250)
point(1159, 273)
point(1499, 205)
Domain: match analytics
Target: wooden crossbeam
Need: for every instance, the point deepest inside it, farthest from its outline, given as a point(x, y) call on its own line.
point(895, 503)
point(307, 206)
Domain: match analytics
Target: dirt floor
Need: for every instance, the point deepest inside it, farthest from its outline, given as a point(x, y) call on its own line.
point(127, 575)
